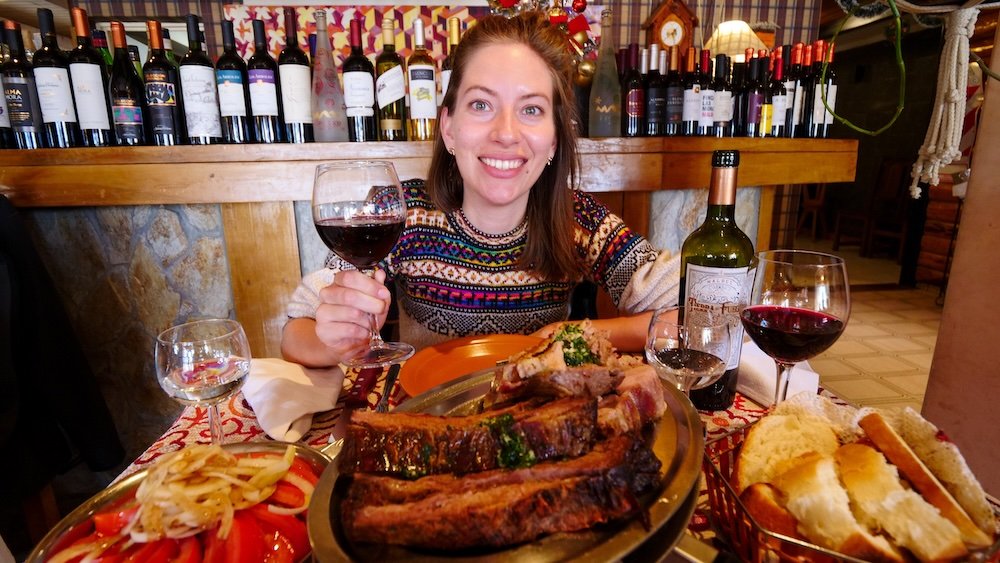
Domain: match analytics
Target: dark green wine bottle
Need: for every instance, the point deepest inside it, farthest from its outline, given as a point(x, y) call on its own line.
point(715, 272)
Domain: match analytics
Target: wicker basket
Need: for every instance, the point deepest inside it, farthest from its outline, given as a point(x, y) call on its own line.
point(744, 535)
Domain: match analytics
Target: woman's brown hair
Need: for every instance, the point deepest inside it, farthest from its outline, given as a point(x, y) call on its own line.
point(549, 249)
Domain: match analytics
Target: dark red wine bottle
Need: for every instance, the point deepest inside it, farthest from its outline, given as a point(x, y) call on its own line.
point(693, 84)
point(706, 115)
point(20, 93)
point(359, 90)
point(675, 96)
point(824, 86)
point(296, 84)
point(715, 261)
point(128, 95)
point(265, 101)
point(55, 90)
point(201, 104)
point(633, 96)
point(656, 95)
point(755, 94)
point(164, 97)
point(90, 79)
point(722, 108)
point(804, 92)
point(233, 86)
point(779, 100)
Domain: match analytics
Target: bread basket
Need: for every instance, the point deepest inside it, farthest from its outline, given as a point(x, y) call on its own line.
point(745, 537)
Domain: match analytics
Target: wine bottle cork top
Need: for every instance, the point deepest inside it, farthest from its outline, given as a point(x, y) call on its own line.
point(725, 159)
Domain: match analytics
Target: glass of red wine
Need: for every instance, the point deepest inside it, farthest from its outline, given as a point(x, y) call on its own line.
point(359, 212)
point(799, 304)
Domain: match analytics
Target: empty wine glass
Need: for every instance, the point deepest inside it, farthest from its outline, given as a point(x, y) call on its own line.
point(691, 354)
point(799, 304)
point(203, 363)
point(359, 212)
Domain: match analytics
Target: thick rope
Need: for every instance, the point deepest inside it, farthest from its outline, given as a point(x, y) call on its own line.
point(941, 144)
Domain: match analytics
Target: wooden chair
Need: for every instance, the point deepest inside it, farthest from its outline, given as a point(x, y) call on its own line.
point(811, 209)
point(884, 216)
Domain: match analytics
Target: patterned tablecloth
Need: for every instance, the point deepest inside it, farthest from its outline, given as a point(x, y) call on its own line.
point(239, 424)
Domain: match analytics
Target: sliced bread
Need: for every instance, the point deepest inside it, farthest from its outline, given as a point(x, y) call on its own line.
point(820, 504)
point(764, 504)
point(903, 457)
point(776, 439)
point(881, 502)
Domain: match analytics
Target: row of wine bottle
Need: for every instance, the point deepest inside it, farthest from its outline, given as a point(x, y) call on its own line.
point(776, 94)
point(67, 99)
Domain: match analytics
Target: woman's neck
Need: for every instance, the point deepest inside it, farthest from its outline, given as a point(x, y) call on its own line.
point(492, 222)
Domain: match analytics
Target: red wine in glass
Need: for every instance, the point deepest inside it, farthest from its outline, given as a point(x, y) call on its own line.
point(790, 334)
point(799, 305)
point(359, 211)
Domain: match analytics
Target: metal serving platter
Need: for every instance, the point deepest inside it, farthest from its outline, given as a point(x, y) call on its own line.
point(124, 490)
point(677, 440)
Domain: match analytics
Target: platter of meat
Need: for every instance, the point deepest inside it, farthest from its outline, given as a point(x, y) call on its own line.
point(539, 460)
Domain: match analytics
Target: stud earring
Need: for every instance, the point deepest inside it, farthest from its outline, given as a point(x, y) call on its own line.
point(548, 162)
point(451, 151)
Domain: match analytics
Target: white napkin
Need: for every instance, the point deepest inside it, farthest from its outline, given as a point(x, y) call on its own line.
point(758, 376)
point(284, 395)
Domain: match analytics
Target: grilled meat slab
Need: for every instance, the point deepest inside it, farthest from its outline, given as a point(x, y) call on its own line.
point(413, 445)
point(499, 508)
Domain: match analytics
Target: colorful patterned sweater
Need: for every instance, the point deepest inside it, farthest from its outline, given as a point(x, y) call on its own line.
point(452, 280)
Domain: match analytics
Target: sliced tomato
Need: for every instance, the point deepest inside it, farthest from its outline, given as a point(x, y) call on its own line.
point(245, 543)
point(189, 551)
point(159, 551)
point(215, 548)
point(278, 548)
point(111, 523)
point(287, 494)
point(287, 525)
point(301, 468)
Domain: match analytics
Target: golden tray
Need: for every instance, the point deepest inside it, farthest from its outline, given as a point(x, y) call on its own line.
point(746, 538)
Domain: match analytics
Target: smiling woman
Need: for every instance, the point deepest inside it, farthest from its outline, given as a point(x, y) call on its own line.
point(498, 237)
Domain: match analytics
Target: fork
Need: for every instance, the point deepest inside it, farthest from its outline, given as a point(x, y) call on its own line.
point(390, 383)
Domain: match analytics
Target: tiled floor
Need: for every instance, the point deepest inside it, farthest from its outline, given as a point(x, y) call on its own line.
point(884, 356)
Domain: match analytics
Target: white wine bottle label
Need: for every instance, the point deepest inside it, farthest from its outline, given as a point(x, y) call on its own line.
point(692, 104)
point(296, 93)
point(88, 90)
point(423, 92)
point(263, 93)
point(359, 94)
point(719, 291)
point(818, 109)
point(201, 109)
point(707, 116)
point(231, 100)
point(55, 96)
point(831, 100)
point(800, 94)
point(723, 109)
point(390, 86)
point(780, 104)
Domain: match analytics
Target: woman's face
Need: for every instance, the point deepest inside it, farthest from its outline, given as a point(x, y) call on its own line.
point(503, 127)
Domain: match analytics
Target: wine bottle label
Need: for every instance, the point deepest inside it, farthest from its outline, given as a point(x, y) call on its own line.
point(22, 104)
point(706, 117)
point(88, 91)
point(723, 106)
point(127, 115)
point(675, 104)
point(754, 102)
point(780, 107)
point(656, 105)
point(831, 100)
point(818, 109)
point(766, 116)
point(359, 94)
point(263, 92)
point(161, 98)
point(201, 110)
point(296, 93)
point(445, 80)
point(692, 104)
point(4, 114)
point(390, 86)
point(635, 103)
point(55, 97)
point(719, 291)
point(800, 94)
point(423, 92)
point(231, 100)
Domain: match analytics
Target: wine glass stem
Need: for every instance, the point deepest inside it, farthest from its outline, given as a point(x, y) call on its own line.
point(781, 388)
point(215, 424)
point(376, 338)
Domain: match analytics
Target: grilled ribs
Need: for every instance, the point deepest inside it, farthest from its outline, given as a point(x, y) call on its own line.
point(413, 445)
point(500, 507)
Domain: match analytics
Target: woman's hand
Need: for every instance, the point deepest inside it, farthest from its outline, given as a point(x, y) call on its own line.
point(342, 318)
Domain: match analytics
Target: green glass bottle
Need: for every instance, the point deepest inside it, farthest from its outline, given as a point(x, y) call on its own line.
point(605, 113)
point(715, 271)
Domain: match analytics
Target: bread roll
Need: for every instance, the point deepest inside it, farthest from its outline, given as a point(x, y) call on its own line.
point(881, 502)
point(764, 504)
point(820, 504)
point(776, 439)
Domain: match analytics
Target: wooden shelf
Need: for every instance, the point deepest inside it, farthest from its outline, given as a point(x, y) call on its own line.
point(259, 173)
point(256, 186)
